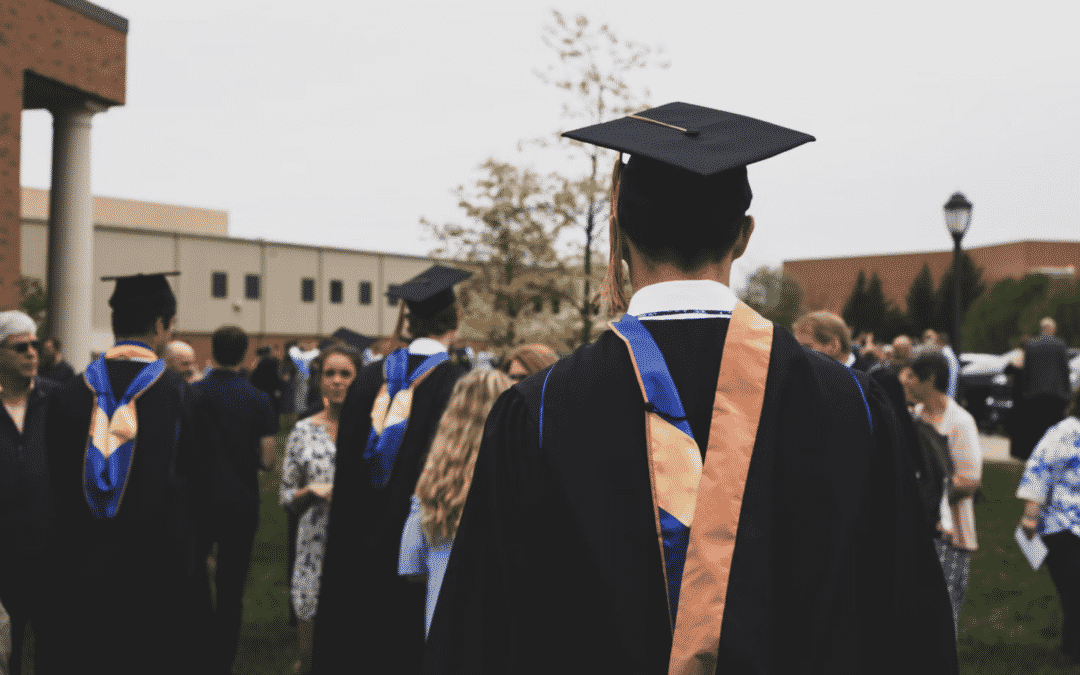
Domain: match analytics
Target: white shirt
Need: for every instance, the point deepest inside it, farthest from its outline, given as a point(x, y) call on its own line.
point(702, 299)
point(426, 347)
point(959, 427)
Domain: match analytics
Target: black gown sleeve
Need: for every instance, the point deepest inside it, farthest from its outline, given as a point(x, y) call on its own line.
point(901, 582)
point(340, 588)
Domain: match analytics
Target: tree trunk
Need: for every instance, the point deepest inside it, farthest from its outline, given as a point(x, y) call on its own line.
point(590, 221)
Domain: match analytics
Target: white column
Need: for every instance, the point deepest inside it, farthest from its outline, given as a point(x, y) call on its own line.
point(71, 235)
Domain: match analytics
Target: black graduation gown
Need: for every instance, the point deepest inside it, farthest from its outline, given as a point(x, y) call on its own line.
point(369, 619)
point(556, 567)
point(123, 590)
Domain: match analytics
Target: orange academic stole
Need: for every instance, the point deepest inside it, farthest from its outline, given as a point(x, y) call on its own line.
point(702, 500)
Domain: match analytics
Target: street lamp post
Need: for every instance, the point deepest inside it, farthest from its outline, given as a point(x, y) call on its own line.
point(957, 219)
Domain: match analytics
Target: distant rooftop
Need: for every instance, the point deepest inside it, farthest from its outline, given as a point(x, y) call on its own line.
point(99, 14)
point(130, 213)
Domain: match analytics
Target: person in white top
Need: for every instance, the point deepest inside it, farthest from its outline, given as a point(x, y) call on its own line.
point(926, 381)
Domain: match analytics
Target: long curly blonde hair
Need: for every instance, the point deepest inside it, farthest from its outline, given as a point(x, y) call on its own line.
point(444, 483)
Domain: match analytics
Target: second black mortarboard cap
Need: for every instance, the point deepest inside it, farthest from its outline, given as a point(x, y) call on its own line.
point(693, 138)
point(141, 290)
point(431, 291)
point(352, 338)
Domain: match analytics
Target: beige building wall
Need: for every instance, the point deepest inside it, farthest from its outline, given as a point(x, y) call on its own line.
point(132, 237)
point(198, 260)
point(351, 269)
point(34, 252)
point(286, 267)
point(131, 213)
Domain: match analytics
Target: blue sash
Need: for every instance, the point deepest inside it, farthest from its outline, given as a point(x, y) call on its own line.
point(680, 462)
point(390, 413)
point(113, 427)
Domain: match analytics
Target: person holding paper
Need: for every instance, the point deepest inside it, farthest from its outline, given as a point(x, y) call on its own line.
point(1051, 490)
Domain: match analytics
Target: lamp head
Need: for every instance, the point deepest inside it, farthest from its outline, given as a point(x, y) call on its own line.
point(957, 214)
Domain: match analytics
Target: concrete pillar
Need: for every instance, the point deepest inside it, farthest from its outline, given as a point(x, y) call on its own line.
point(71, 234)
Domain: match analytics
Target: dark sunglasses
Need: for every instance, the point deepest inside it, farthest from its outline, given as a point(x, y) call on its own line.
point(344, 373)
point(23, 347)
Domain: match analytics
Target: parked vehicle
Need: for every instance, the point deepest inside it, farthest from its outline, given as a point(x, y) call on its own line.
point(986, 390)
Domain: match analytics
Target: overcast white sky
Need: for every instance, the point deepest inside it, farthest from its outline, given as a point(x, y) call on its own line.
point(338, 122)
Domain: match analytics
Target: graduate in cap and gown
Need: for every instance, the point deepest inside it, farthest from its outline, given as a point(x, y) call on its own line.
point(370, 620)
point(125, 458)
point(694, 492)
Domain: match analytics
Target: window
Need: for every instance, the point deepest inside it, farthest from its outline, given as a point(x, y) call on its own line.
point(365, 292)
point(307, 290)
point(219, 284)
point(251, 286)
point(335, 291)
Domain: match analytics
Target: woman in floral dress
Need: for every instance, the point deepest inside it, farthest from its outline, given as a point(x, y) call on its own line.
point(307, 487)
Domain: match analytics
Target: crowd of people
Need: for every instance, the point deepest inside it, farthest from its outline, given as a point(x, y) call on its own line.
point(696, 491)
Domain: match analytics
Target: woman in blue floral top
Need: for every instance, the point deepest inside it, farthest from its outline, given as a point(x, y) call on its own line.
point(1051, 490)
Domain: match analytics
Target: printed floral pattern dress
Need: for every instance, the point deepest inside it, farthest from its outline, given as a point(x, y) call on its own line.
point(309, 458)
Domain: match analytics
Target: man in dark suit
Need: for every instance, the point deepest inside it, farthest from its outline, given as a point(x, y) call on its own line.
point(1044, 388)
point(53, 365)
point(242, 426)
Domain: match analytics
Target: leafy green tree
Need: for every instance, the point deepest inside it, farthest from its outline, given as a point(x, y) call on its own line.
point(592, 70)
point(867, 310)
point(971, 287)
point(773, 294)
point(852, 313)
point(510, 238)
point(35, 302)
point(896, 322)
point(1012, 309)
point(1064, 307)
point(921, 308)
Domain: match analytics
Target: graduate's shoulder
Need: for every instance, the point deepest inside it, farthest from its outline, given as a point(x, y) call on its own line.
point(818, 379)
point(591, 370)
point(445, 374)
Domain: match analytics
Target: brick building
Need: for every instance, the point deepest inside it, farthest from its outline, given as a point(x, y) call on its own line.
point(826, 283)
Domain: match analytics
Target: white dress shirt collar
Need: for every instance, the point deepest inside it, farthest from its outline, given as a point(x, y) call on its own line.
point(683, 299)
point(850, 360)
point(426, 347)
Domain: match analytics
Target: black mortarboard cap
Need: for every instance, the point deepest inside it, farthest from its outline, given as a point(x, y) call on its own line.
point(429, 292)
point(687, 164)
point(141, 290)
point(352, 338)
point(692, 138)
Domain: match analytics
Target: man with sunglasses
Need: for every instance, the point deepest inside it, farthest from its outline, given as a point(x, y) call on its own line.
point(26, 504)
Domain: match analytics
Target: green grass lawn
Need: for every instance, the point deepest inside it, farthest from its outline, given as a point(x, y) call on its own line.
point(267, 642)
point(1011, 622)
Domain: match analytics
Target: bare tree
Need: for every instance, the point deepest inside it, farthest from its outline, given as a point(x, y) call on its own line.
point(592, 70)
point(510, 237)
